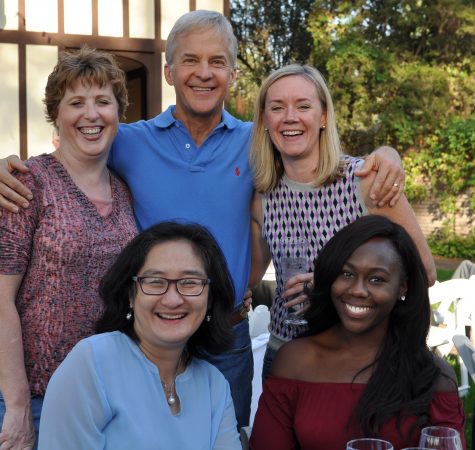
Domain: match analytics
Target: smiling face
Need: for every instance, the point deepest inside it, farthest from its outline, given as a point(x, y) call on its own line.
point(169, 320)
point(87, 120)
point(293, 114)
point(370, 283)
point(201, 74)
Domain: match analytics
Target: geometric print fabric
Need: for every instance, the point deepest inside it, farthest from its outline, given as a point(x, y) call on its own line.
point(299, 211)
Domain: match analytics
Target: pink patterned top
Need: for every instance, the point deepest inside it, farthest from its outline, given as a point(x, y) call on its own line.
point(63, 246)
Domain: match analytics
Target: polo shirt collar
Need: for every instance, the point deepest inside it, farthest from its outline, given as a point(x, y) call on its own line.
point(166, 119)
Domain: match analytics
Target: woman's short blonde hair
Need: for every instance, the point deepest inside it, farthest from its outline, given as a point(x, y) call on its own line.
point(90, 66)
point(265, 159)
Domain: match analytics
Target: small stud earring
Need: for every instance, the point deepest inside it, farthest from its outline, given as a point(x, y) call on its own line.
point(323, 127)
point(266, 129)
point(403, 297)
point(128, 316)
point(208, 318)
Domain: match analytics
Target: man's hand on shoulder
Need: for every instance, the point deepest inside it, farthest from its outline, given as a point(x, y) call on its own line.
point(13, 194)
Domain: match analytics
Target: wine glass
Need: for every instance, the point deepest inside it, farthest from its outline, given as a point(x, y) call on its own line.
point(369, 444)
point(415, 448)
point(440, 438)
point(293, 261)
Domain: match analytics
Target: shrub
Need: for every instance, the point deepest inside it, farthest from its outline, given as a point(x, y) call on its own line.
point(445, 243)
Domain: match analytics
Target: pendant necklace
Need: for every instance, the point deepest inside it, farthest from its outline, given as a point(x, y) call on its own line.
point(171, 399)
point(169, 394)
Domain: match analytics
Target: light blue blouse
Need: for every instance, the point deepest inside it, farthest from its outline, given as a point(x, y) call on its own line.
point(107, 395)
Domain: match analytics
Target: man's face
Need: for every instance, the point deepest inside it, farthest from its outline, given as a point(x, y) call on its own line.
point(202, 73)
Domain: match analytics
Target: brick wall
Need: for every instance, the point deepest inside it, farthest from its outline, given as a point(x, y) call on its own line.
point(429, 220)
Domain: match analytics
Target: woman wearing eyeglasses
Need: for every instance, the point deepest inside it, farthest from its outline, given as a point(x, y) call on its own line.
point(140, 383)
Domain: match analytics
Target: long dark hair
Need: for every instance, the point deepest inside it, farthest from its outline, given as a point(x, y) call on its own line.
point(405, 372)
point(117, 287)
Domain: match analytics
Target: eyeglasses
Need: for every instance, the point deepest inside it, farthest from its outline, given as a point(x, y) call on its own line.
point(159, 285)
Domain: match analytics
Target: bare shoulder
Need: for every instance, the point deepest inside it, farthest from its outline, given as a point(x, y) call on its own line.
point(447, 380)
point(294, 357)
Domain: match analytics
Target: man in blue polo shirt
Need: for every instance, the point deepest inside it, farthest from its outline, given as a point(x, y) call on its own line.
point(190, 163)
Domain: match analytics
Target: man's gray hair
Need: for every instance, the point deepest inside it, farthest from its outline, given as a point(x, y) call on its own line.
point(197, 21)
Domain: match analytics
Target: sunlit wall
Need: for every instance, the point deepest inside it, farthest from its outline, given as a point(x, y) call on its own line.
point(40, 60)
point(110, 18)
point(41, 15)
point(168, 93)
point(9, 108)
point(169, 12)
point(142, 19)
point(77, 17)
point(212, 5)
point(9, 17)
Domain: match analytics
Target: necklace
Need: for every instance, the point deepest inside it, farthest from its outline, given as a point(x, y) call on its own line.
point(171, 399)
point(170, 395)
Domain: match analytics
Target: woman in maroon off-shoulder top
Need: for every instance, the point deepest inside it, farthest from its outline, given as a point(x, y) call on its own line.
point(363, 369)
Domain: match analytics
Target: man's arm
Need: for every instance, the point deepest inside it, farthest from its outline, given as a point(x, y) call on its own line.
point(403, 214)
point(389, 182)
point(13, 193)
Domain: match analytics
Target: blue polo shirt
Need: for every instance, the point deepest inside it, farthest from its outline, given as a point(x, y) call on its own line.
point(171, 179)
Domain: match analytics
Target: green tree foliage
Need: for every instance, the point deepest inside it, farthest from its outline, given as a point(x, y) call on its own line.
point(401, 72)
point(398, 69)
point(270, 34)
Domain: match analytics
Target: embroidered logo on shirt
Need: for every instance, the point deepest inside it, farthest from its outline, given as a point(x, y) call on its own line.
point(237, 171)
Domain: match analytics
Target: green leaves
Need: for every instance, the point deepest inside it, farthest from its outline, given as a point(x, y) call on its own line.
point(401, 72)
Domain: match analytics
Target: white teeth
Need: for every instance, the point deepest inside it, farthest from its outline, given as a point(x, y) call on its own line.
point(171, 316)
point(292, 133)
point(90, 130)
point(201, 89)
point(357, 309)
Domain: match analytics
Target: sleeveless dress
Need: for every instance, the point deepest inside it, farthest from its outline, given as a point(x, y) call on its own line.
point(301, 211)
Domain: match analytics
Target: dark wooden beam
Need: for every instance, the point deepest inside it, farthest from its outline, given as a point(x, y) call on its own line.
point(23, 128)
point(95, 18)
point(125, 18)
point(227, 9)
point(60, 16)
point(75, 40)
point(22, 101)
